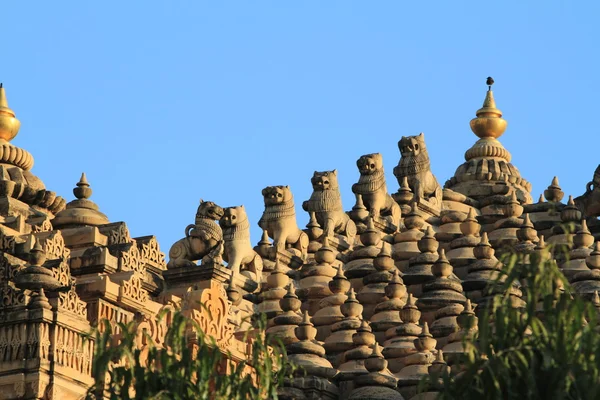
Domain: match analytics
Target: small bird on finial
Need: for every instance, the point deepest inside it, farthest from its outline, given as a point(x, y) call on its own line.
point(489, 82)
point(0, 85)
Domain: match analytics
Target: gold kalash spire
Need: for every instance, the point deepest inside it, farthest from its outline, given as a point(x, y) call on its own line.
point(9, 127)
point(489, 122)
point(488, 126)
point(9, 124)
point(487, 167)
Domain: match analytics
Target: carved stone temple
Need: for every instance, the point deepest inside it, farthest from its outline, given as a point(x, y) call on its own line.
point(368, 299)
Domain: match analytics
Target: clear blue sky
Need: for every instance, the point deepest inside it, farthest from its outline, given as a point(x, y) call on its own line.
point(162, 103)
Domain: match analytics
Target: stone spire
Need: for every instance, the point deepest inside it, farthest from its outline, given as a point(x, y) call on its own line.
point(461, 248)
point(330, 307)
point(405, 242)
point(587, 282)
point(82, 211)
point(442, 300)
point(419, 267)
point(309, 356)
point(417, 364)
point(400, 339)
point(35, 276)
point(375, 283)
point(488, 162)
point(360, 261)
point(353, 360)
point(378, 383)
point(277, 281)
point(340, 339)
point(467, 322)
point(286, 322)
point(313, 285)
point(387, 312)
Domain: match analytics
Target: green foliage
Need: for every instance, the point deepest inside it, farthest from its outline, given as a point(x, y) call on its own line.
point(547, 349)
point(178, 371)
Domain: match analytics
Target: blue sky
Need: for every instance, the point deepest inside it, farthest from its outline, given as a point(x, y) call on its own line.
point(164, 103)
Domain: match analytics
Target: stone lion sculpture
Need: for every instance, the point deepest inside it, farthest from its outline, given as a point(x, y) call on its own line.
point(415, 166)
point(239, 254)
point(589, 202)
point(326, 204)
point(372, 187)
point(201, 238)
point(279, 220)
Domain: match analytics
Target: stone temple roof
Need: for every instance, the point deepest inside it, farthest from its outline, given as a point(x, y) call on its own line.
point(368, 301)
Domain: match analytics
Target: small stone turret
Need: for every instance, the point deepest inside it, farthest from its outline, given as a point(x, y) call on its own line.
point(340, 339)
point(587, 282)
point(375, 283)
point(576, 262)
point(482, 273)
point(80, 212)
point(442, 300)
point(378, 384)
point(314, 374)
point(286, 322)
point(400, 339)
point(35, 276)
point(270, 299)
point(353, 362)
point(545, 214)
point(330, 307)
point(360, 261)
point(417, 364)
point(419, 267)
point(455, 348)
point(387, 312)
point(405, 242)
point(461, 254)
point(313, 285)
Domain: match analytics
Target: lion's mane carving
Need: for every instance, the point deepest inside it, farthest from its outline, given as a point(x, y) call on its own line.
point(371, 186)
point(239, 254)
point(589, 202)
point(201, 238)
point(326, 203)
point(415, 166)
point(279, 220)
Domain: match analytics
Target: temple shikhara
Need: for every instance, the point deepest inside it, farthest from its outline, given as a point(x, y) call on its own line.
point(368, 299)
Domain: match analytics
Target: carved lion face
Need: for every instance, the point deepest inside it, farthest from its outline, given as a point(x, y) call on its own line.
point(369, 163)
point(276, 194)
point(326, 180)
point(208, 209)
point(233, 216)
point(411, 146)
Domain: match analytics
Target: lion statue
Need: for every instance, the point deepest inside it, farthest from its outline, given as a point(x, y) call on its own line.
point(589, 202)
point(239, 254)
point(326, 204)
point(414, 165)
point(201, 238)
point(279, 220)
point(371, 186)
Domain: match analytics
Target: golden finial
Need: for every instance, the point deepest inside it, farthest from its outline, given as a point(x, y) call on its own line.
point(489, 122)
point(9, 124)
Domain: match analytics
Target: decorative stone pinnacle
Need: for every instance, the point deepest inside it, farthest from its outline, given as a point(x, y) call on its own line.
point(83, 189)
point(426, 330)
point(484, 239)
point(37, 255)
point(468, 307)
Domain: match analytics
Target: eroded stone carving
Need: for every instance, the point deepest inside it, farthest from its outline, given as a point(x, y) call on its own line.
point(279, 220)
point(200, 238)
point(373, 190)
point(589, 202)
point(326, 204)
point(239, 254)
point(415, 166)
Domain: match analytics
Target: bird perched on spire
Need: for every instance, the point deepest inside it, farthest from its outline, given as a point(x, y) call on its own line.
point(489, 82)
